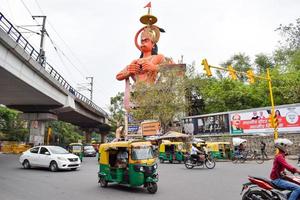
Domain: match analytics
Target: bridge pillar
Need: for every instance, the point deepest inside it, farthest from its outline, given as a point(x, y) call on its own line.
point(88, 137)
point(103, 138)
point(37, 123)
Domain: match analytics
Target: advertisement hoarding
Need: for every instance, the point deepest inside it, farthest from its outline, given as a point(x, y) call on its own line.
point(206, 125)
point(258, 121)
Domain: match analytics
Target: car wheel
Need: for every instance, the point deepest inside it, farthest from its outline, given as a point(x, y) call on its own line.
point(53, 166)
point(26, 164)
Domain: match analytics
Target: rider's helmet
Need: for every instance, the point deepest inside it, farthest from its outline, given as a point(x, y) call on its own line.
point(282, 144)
point(194, 144)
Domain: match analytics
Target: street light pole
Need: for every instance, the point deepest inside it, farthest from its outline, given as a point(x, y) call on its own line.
point(91, 86)
point(43, 31)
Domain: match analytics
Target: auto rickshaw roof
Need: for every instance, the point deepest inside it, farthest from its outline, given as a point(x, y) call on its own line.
point(168, 142)
point(75, 144)
point(218, 142)
point(126, 144)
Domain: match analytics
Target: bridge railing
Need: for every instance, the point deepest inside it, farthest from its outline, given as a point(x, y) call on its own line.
point(14, 34)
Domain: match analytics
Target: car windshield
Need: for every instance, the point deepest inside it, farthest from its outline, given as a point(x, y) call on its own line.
point(142, 153)
point(58, 150)
point(88, 148)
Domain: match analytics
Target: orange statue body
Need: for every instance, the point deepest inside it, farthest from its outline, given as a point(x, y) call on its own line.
point(145, 68)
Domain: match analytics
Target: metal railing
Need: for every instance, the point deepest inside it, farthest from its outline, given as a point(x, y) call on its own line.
point(16, 36)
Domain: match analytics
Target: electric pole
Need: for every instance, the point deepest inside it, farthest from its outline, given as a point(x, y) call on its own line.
point(42, 57)
point(91, 86)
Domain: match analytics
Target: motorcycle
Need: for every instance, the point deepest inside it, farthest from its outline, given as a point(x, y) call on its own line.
point(205, 159)
point(263, 189)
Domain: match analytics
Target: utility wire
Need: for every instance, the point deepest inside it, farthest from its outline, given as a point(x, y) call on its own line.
point(73, 54)
point(58, 49)
point(28, 30)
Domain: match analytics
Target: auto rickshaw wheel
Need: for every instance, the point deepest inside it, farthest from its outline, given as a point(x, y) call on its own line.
point(103, 182)
point(161, 160)
point(152, 188)
point(26, 164)
point(53, 166)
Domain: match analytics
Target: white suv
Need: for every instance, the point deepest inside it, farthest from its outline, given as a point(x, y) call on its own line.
point(52, 157)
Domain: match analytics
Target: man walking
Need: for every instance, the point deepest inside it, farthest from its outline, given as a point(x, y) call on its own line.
point(263, 149)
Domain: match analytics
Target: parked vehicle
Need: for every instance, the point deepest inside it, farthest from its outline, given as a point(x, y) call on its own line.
point(247, 155)
point(262, 189)
point(241, 154)
point(77, 149)
point(128, 163)
point(171, 152)
point(220, 150)
point(52, 157)
point(89, 150)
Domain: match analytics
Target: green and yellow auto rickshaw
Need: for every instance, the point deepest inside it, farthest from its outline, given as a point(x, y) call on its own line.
point(220, 150)
point(171, 151)
point(130, 163)
point(77, 149)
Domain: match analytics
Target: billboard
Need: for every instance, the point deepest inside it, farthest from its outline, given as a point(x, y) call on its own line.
point(257, 121)
point(206, 125)
point(150, 128)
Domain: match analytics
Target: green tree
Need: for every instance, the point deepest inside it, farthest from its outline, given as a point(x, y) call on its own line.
point(291, 35)
point(66, 132)
point(164, 101)
point(117, 111)
point(262, 62)
point(12, 127)
point(240, 62)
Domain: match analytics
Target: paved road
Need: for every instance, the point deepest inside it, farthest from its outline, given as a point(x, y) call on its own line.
point(176, 182)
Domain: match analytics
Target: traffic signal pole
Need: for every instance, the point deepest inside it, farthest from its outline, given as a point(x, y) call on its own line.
point(251, 77)
point(272, 104)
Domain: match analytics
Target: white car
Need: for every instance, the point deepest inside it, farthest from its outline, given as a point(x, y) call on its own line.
point(52, 157)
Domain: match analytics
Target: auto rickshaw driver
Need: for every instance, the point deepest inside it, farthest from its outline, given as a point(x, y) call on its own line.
point(122, 158)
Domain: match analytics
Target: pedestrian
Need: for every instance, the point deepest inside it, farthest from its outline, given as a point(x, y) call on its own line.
point(263, 149)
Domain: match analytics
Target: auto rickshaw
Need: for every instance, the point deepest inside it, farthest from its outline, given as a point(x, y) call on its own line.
point(77, 149)
point(220, 150)
point(171, 151)
point(131, 163)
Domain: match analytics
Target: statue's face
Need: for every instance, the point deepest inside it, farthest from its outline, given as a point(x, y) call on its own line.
point(146, 44)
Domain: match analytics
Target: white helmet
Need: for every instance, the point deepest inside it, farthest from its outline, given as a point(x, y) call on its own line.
point(282, 144)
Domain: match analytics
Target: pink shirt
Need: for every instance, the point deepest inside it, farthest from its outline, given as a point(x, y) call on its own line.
point(279, 165)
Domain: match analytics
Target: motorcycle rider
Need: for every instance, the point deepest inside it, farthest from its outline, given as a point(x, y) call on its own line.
point(279, 165)
point(195, 151)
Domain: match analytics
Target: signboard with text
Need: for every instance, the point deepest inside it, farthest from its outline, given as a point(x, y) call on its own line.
point(150, 128)
point(258, 121)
